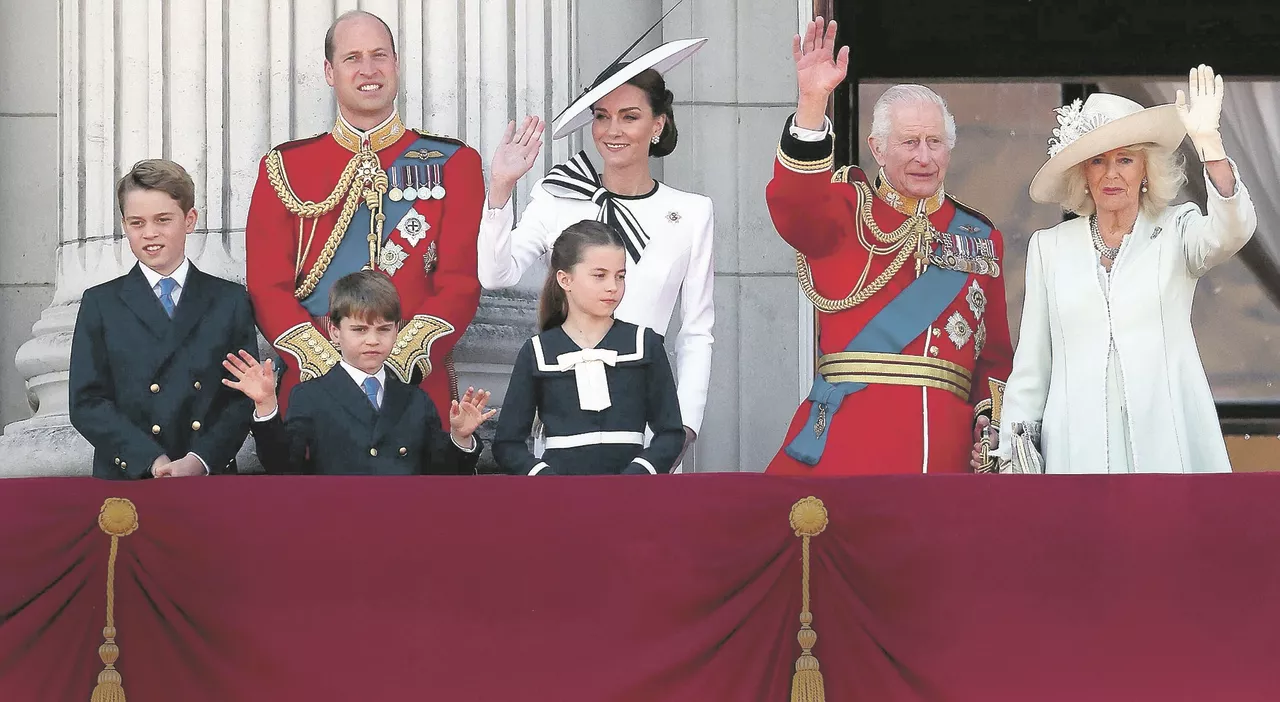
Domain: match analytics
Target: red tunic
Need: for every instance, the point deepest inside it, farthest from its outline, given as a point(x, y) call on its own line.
point(884, 428)
point(438, 277)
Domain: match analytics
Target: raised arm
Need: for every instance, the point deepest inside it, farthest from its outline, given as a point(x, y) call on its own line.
point(504, 254)
point(809, 211)
point(1210, 240)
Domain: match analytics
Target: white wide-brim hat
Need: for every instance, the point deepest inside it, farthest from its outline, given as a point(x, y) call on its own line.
point(1104, 122)
point(660, 59)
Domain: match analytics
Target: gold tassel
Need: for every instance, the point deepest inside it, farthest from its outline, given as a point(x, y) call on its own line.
point(118, 517)
point(808, 519)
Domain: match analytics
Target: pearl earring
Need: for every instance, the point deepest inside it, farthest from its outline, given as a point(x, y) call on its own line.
point(656, 138)
point(1144, 185)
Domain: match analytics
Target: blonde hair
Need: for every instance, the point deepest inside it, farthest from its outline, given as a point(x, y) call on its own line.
point(1166, 172)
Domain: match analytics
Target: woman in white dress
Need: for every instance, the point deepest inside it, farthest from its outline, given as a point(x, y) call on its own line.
point(667, 232)
point(1106, 363)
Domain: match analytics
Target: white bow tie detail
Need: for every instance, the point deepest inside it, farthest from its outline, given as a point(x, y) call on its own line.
point(588, 369)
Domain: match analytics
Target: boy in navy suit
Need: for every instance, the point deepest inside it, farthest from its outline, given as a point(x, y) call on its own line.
point(147, 350)
point(358, 419)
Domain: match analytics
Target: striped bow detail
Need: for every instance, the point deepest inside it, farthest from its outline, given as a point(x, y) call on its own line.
point(577, 179)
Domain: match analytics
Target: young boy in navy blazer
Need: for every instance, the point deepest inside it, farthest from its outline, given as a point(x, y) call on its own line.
point(358, 419)
point(146, 356)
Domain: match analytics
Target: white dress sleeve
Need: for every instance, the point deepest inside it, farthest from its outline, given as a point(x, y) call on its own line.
point(504, 251)
point(1209, 241)
point(697, 317)
point(1027, 391)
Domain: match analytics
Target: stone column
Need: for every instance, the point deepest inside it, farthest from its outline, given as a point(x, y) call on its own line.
point(213, 86)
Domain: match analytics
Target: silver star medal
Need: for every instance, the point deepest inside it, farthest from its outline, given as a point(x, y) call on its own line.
point(392, 257)
point(413, 227)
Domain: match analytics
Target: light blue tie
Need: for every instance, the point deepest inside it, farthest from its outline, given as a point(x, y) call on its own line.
point(167, 286)
point(371, 387)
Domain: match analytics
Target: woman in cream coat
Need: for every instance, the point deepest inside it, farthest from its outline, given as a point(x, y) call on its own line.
point(1106, 358)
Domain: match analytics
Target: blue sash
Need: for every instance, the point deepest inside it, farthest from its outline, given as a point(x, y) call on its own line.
point(353, 251)
point(904, 319)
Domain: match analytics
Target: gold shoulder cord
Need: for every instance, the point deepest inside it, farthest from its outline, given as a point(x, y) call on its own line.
point(903, 240)
point(370, 186)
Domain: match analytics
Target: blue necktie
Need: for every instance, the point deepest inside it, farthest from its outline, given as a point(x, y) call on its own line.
point(167, 286)
point(371, 386)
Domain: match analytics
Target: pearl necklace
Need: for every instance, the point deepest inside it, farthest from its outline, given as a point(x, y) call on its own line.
point(1107, 252)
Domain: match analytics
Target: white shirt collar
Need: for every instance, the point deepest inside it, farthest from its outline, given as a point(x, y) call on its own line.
point(364, 133)
point(179, 275)
point(360, 376)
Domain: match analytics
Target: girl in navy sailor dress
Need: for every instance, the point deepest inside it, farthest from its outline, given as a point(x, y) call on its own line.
point(595, 382)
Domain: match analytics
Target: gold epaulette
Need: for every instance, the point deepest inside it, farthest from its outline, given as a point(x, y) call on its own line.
point(413, 346)
point(841, 175)
point(314, 354)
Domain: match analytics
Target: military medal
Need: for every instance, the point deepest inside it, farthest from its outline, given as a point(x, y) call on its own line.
point(437, 187)
point(410, 192)
point(395, 194)
point(424, 178)
point(413, 227)
point(392, 257)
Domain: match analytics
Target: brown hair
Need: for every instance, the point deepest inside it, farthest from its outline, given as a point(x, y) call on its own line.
point(366, 295)
point(158, 174)
point(553, 306)
point(352, 14)
point(660, 99)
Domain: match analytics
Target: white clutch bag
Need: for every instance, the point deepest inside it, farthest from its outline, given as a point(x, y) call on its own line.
point(1025, 456)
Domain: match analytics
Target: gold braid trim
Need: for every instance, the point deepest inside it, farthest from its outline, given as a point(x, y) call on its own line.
point(314, 353)
point(808, 519)
point(413, 346)
point(364, 164)
point(117, 517)
point(991, 408)
point(908, 240)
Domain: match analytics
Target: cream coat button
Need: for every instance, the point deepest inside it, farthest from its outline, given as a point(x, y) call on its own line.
point(195, 426)
point(197, 385)
point(404, 451)
point(373, 452)
point(155, 428)
point(155, 388)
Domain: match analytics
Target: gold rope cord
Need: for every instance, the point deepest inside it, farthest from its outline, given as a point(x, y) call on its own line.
point(365, 165)
point(905, 239)
point(808, 519)
point(118, 517)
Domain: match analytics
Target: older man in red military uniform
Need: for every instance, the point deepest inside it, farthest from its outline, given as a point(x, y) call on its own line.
point(369, 194)
point(906, 280)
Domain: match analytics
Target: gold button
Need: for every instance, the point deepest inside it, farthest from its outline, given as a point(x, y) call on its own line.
point(155, 428)
point(373, 452)
point(195, 426)
point(155, 388)
point(404, 451)
point(933, 350)
point(197, 385)
point(937, 331)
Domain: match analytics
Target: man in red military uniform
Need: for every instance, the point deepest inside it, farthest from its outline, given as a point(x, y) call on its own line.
point(906, 280)
point(369, 194)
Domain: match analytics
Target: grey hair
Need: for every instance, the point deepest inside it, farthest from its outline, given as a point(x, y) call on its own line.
point(1166, 173)
point(908, 94)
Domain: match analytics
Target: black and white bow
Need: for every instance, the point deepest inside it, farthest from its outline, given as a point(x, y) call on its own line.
point(577, 179)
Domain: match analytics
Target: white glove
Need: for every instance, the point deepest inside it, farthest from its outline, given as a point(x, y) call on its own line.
point(1200, 117)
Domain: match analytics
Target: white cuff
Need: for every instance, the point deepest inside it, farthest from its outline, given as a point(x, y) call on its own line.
point(645, 464)
point(491, 212)
point(198, 458)
point(538, 468)
point(267, 418)
point(812, 134)
point(465, 449)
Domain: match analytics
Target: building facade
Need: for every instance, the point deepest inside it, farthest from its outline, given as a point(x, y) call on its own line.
point(95, 86)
